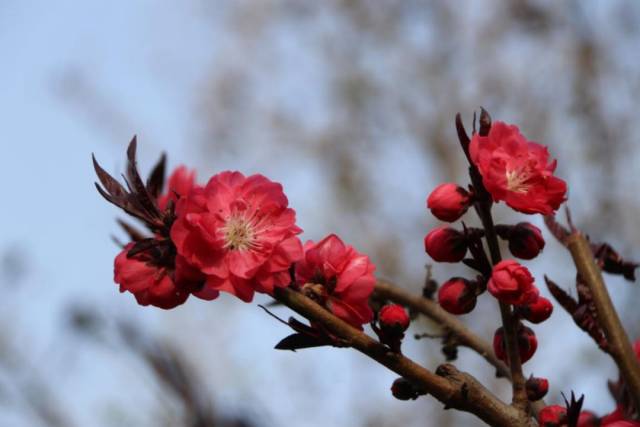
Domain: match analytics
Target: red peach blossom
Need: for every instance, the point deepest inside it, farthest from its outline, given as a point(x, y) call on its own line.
point(445, 244)
point(527, 344)
point(536, 388)
point(181, 181)
point(552, 416)
point(240, 233)
point(448, 202)
point(525, 241)
point(339, 277)
point(457, 296)
point(537, 311)
point(517, 171)
point(512, 283)
point(394, 316)
point(151, 285)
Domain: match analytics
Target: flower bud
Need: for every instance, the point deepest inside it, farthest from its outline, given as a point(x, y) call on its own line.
point(589, 419)
point(403, 389)
point(446, 244)
point(525, 241)
point(552, 416)
point(512, 283)
point(537, 311)
point(393, 317)
point(527, 344)
point(536, 388)
point(457, 296)
point(448, 202)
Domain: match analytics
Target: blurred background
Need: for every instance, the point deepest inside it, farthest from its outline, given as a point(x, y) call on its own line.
point(350, 105)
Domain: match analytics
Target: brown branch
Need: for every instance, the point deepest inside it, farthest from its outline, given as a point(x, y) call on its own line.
point(455, 389)
point(429, 308)
point(619, 344)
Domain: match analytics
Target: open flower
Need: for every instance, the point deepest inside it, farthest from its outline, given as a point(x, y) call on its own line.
point(517, 171)
point(512, 283)
point(240, 233)
point(339, 277)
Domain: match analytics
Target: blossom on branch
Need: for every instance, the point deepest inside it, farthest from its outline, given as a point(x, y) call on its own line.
point(338, 277)
point(512, 283)
point(517, 171)
point(240, 233)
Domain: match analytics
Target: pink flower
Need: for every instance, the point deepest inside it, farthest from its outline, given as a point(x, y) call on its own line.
point(517, 171)
point(339, 277)
point(154, 285)
point(240, 233)
point(527, 344)
point(181, 181)
point(448, 202)
point(512, 283)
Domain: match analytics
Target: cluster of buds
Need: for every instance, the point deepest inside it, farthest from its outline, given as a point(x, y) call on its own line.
point(505, 166)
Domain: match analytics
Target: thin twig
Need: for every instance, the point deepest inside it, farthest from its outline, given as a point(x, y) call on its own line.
point(455, 389)
point(432, 310)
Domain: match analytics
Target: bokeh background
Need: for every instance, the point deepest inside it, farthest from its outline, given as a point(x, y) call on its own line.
point(350, 104)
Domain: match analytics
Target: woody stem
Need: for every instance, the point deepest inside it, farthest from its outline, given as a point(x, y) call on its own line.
point(619, 344)
point(509, 321)
point(455, 389)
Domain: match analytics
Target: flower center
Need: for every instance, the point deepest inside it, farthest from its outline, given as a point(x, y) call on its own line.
point(516, 181)
point(238, 234)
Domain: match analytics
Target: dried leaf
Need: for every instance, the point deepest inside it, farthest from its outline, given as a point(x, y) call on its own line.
point(155, 182)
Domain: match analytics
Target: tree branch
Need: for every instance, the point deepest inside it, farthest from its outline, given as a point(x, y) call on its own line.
point(619, 344)
point(455, 389)
point(432, 310)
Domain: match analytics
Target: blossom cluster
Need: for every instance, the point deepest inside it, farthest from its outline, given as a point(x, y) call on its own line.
point(234, 234)
point(506, 167)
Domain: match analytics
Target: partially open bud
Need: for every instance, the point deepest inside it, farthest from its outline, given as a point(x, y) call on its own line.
point(512, 283)
point(448, 202)
point(403, 389)
point(552, 416)
point(393, 317)
point(537, 311)
point(527, 344)
point(457, 295)
point(525, 240)
point(446, 244)
point(536, 388)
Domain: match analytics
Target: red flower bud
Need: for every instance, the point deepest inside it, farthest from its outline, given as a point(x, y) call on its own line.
point(394, 317)
point(448, 202)
point(457, 296)
point(527, 344)
point(512, 283)
point(445, 244)
point(403, 389)
point(589, 419)
point(537, 311)
point(525, 241)
point(536, 388)
point(552, 416)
